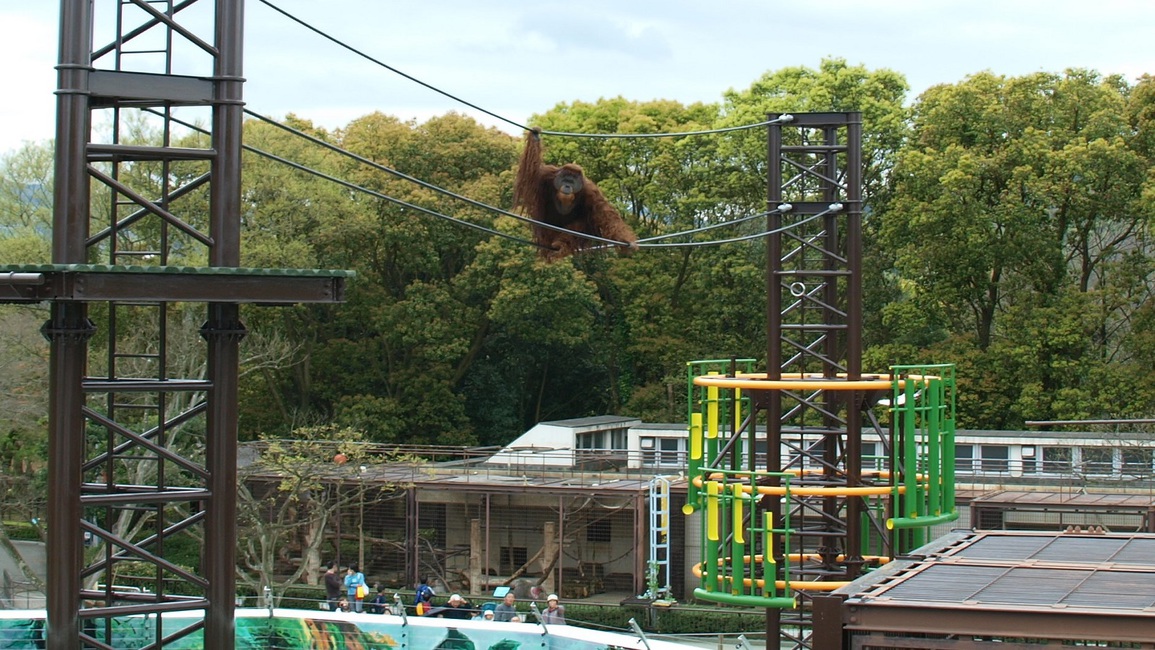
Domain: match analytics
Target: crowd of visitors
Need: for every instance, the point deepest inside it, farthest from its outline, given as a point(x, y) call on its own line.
point(352, 593)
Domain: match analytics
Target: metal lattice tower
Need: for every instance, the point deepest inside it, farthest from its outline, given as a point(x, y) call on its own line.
point(776, 459)
point(814, 326)
point(142, 449)
point(814, 279)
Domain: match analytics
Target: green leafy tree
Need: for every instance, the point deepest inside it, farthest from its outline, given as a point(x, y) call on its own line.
point(26, 205)
point(393, 358)
point(1017, 221)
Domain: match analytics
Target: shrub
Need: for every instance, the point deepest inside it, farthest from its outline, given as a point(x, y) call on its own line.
point(22, 530)
point(671, 620)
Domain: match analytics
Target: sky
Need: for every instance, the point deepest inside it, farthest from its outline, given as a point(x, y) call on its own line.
point(518, 58)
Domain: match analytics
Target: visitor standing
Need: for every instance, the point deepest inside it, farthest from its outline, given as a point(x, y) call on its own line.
point(458, 608)
point(333, 587)
point(380, 602)
point(355, 589)
point(554, 613)
point(505, 611)
point(423, 598)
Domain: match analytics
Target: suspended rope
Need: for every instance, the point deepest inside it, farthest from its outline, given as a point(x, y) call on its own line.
point(378, 166)
point(364, 190)
point(386, 197)
point(643, 243)
point(834, 207)
point(429, 186)
point(783, 208)
point(712, 226)
point(781, 119)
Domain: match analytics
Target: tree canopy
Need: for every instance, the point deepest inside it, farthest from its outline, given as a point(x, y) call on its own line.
point(1008, 229)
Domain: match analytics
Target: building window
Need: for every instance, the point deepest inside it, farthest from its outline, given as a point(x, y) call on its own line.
point(650, 453)
point(619, 439)
point(1056, 460)
point(995, 458)
point(599, 530)
point(513, 558)
point(663, 452)
point(672, 451)
point(591, 440)
point(1137, 461)
point(1030, 459)
point(761, 456)
point(964, 459)
point(604, 440)
point(1098, 460)
point(872, 457)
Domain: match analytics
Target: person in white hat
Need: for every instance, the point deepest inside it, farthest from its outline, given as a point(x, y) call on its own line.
point(554, 613)
point(458, 608)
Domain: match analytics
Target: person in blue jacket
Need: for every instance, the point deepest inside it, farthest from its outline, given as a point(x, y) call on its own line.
point(423, 598)
point(353, 579)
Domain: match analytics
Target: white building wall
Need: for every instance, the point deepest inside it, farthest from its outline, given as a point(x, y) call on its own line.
point(546, 445)
point(552, 444)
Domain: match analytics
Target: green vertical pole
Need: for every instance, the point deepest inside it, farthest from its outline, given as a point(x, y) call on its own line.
point(912, 501)
point(712, 539)
point(737, 542)
point(694, 464)
point(934, 445)
point(947, 373)
point(786, 534)
point(769, 565)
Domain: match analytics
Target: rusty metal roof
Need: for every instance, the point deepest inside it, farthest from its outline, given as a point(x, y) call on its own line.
point(1071, 586)
point(1080, 500)
point(474, 477)
point(1084, 549)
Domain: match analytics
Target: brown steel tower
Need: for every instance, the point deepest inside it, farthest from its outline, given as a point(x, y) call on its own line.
point(142, 449)
point(814, 472)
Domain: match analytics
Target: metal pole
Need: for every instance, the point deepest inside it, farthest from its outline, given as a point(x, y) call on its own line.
point(224, 329)
point(228, 121)
point(855, 506)
point(771, 401)
point(68, 330)
point(773, 252)
point(71, 190)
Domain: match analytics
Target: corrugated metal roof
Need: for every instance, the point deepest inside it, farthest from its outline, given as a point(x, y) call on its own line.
point(1082, 549)
point(477, 478)
point(1105, 588)
point(973, 588)
point(1093, 500)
